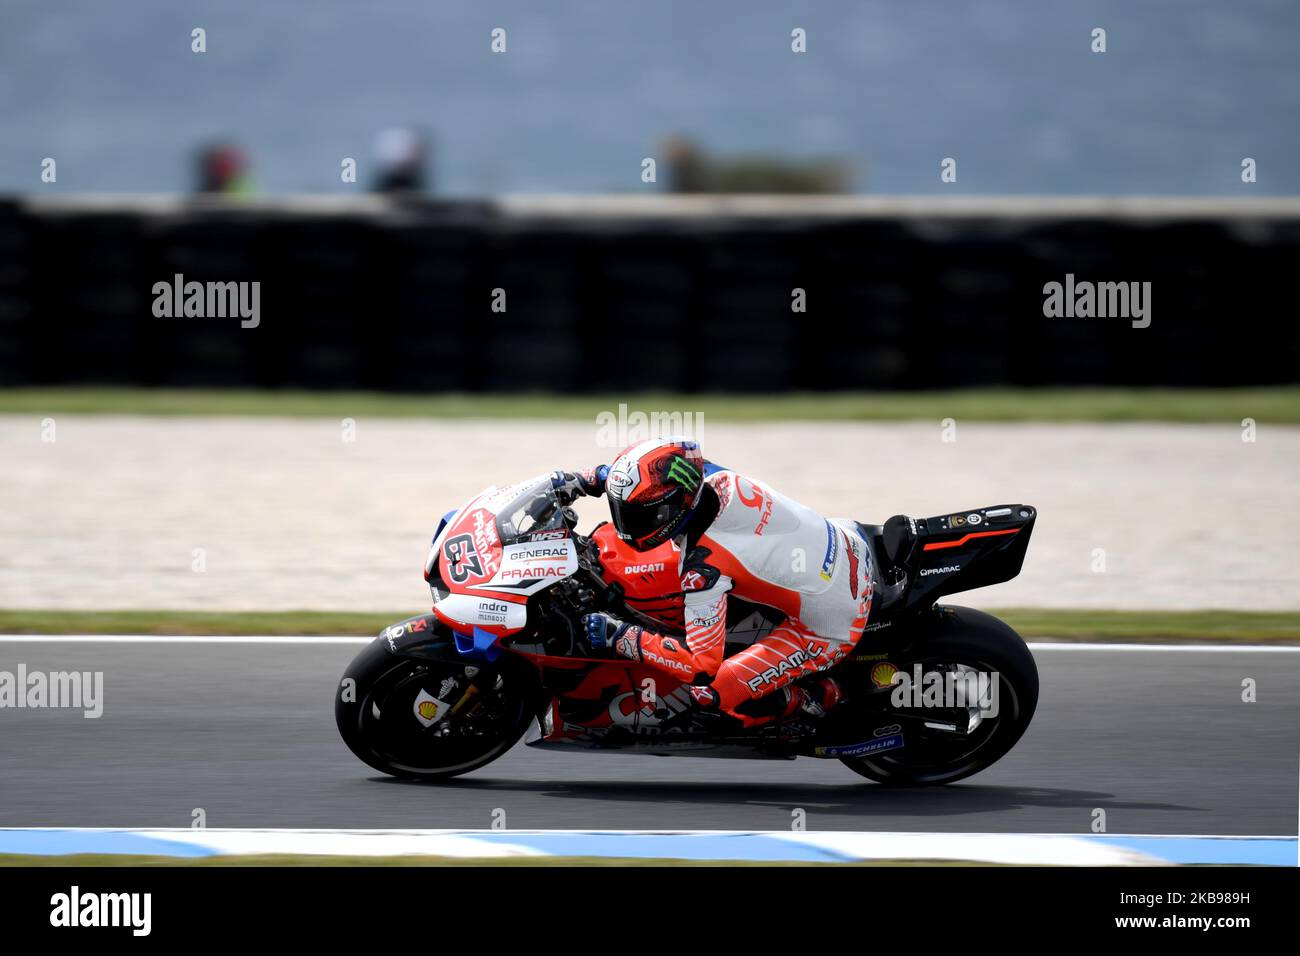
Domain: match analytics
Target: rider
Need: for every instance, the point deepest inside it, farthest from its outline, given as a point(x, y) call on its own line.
point(733, 534)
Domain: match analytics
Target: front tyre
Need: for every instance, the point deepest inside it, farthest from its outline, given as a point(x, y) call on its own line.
point(429, 719)
point(968, 640)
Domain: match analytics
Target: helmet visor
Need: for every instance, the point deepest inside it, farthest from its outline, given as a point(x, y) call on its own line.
point(637, 521)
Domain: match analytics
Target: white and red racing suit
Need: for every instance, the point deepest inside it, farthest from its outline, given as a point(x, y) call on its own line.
point(766, 549)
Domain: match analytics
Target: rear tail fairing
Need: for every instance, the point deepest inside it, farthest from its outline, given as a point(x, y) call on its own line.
point(955, 552)
point(970, 549)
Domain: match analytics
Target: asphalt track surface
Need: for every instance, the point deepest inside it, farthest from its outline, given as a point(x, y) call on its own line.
point(1160, 740)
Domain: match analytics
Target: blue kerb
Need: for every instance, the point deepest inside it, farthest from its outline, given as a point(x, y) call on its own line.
point(64, 842)
point(1209, 850)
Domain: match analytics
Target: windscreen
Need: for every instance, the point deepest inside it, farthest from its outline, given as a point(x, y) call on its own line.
point(534, 509)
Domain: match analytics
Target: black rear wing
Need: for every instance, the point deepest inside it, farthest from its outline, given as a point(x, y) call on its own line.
point(959, 552)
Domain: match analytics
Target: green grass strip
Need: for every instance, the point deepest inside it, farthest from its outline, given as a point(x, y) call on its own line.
point(1218, 626)
point(1273, 404)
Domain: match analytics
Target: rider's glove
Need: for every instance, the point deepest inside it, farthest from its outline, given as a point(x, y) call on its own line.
point(574, 484)
point(604, 629)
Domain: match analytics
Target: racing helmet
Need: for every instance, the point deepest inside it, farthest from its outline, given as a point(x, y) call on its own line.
point(652, 487)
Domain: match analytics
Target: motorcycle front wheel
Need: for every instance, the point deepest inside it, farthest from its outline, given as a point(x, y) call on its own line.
point(429, 719)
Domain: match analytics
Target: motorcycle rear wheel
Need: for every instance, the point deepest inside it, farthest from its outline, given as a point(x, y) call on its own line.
point(982, 643)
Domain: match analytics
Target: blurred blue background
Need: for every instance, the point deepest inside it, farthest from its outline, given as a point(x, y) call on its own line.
point(1008, 87)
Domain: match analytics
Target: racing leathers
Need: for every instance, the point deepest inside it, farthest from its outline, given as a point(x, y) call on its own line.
point(748, 541)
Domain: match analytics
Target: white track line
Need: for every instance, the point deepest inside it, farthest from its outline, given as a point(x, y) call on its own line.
point(635, 832)
point(308, 639)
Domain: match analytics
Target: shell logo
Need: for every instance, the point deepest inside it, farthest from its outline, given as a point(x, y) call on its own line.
point(428, 708)
point(882, 675)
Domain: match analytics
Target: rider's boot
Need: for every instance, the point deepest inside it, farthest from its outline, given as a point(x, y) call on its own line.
point(811, 700)
point(814, 699)
point(795, 701)
point(707, 712)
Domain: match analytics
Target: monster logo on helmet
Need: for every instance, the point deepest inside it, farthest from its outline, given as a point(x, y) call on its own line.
point(684, 473)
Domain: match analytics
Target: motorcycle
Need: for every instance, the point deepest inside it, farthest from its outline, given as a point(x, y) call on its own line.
point(933, 693)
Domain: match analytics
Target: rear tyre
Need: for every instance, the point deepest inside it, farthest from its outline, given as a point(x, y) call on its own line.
point(976, 641)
